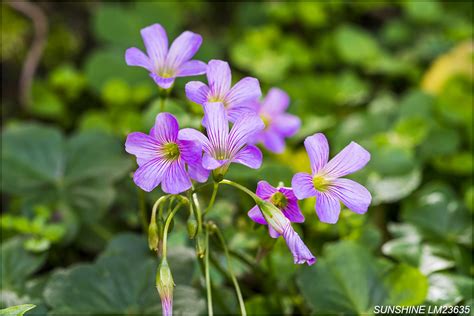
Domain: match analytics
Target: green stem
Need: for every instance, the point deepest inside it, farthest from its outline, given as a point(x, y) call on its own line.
point(231, 272)
point(213, 198)
point(162, 103)
point(167, 224)
point(208, 277)
point(155, 206)
point(241, 188)
point(198, 211)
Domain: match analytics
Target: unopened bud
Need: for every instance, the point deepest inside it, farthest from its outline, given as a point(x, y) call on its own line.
point(273, 215)
point(200, 245)
point(165, 286)
point(153, 237)
point(192, 227)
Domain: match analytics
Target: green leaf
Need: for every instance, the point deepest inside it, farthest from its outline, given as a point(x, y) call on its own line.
point(406, 286)
point(393, 188)
point(122, 281)
point(356, 46)
point(41, 166)
point(444, 290)
point(104, 65)
point(409, 248)
point(120, 26)
point(423, 11)
point(348, 279)
point(19, 310)
point(439, 214)
point(460, 163)
point(17, 264)
point(45, 103)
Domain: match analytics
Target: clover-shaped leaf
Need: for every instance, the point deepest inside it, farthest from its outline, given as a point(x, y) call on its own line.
point(41, 166)
point(122, 281)
point(439, 214)
point(348, 279)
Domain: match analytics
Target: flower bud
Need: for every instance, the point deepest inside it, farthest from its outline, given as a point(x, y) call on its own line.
point(282, 225)
point(192, 227)
point(153, 237)
point(165, 286)
point(274, 216)
point(200, 245)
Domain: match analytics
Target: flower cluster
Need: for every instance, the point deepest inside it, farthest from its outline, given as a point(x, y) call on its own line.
point(235, 120)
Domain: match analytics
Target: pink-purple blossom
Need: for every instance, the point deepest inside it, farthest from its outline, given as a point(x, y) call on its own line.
point(165, 157)
point(325, 182)
point(166, 64)
point(221, 146)
point(283, 198)
point(278, 124)
point(282, 226)
point(237, 100)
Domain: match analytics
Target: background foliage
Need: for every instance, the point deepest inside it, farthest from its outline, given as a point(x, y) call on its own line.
point(396, 77)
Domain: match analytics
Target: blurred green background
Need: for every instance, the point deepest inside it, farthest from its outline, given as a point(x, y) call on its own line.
point(396, 77)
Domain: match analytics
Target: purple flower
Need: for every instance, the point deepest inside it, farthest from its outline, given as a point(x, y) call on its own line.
point(278, 124)
point(326, 183)
point(282, 226)
point(165, 65)
point(222, 147)
point(163, 155)
point(283, 198)
point(237, 100)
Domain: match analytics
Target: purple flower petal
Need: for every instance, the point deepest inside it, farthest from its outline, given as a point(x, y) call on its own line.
point(286, 124)
point(301, 253)
point(264, 190)
point(355, 196)
point(166, 128)
point(142, 145)
point(183, 49)
point(328, 207)
point(352, 158)
point(210, 163)
point(246, 90)
point(276, 102)
point(235, 112)
point(318, 151)
point(195, 135)
point(135, 57)
point(257, 216)
point(197, 92)
point(197, 172)
point(273, 141)
point(167, 306)
point(244, 128)
point(176, 179)
point(219, 78)
point(273, 233)
point(249, 156)
point(162, 82)
point(149, 175)
point(191, 68)
point(156, 44)
point(292, 212)
point(303, 187)
point(217, 126)
point(190, 151)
